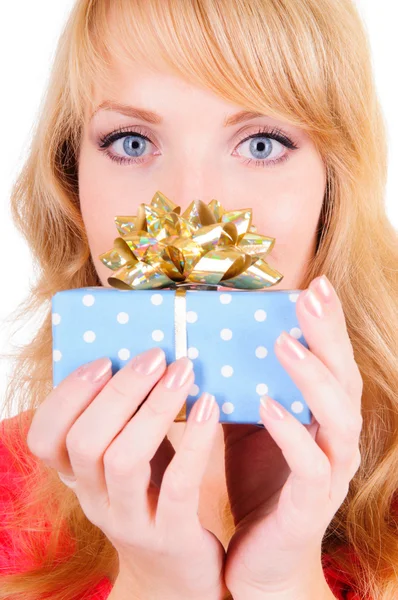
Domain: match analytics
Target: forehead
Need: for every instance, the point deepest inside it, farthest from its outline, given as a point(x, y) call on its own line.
point(127, 79)
point(133, 70)
point(133, 63)
point(159, 97)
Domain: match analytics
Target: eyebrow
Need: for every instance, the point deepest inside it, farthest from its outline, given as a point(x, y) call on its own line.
point(155, 119)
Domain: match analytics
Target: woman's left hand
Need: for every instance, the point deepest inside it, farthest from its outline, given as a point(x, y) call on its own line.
point(286, 482)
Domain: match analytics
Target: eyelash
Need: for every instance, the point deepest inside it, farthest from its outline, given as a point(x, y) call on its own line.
point(273, 133)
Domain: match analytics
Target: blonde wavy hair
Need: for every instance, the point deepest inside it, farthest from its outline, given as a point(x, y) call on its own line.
point(308, 62)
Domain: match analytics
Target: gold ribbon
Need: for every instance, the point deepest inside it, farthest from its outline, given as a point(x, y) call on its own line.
point(203, 248)
point(180, 337)
point(205, 245)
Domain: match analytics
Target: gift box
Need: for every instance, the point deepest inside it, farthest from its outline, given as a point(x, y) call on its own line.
point(195, 284)
point(230, 337)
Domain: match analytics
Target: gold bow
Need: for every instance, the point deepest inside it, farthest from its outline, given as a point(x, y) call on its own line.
point(205, 246)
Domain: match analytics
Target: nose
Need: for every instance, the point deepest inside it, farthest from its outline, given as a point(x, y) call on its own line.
point(193, 180)
point(185, 198)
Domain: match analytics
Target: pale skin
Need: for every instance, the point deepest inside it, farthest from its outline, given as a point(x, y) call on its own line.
point(261, 466)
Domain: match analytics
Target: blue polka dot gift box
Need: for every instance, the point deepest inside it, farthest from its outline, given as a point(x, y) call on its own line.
point(195, 284)
point(230, 338)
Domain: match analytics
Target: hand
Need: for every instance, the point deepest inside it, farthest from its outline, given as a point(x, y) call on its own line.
point(109, 437)
point(286, 482)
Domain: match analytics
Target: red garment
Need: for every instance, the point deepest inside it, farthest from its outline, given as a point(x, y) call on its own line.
point(12, 561)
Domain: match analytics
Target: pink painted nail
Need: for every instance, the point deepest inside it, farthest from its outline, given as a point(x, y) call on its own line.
point(177, 373)
point(204, 407)
point(313, 304)
point(291, 346)
point(324, 288)
point(94, 370)
point(147, 362)
point(272, 408)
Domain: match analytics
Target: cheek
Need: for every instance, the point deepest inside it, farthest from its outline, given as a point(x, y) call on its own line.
point(98, 193)
point(289, 210)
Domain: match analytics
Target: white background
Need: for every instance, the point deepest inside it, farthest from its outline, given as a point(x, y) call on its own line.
point(29, 35)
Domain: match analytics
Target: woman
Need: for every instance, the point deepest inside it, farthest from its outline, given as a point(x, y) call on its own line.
point(304, 68)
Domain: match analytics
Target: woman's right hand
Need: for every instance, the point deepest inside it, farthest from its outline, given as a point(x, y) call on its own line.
point(108, 433)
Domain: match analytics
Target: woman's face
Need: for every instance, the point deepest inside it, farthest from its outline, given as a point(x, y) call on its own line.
point(190, 154)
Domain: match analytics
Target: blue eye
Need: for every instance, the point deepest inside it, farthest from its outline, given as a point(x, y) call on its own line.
point(264, 144)
point(134, 143)
point(262, 147)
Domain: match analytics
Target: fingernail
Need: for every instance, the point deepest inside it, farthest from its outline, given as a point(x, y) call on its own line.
point(323, 286)
point(94, 370)
point(178, 373)
point(147, 362)
point(204, 407)
point(69, 480)
point(291, 346)
point(313, 304)
point(271, 408)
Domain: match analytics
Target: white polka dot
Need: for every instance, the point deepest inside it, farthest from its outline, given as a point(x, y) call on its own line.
point(293, 297)
point(228, 408)
point(124, 354)
point(260, 315)
point(157, 335)
point(56, 318)
point(261, 388)
point(194, 391)
point(193, 352)
point(89, 336)
point(261, 352)
point(192, 316)
point(295, 332)
point(227, 371)
point(88, 300)
point(123, 318)
point(225, 298)
point(57, 355)
point(225, 334)
point(156, 299)
point(297, 406)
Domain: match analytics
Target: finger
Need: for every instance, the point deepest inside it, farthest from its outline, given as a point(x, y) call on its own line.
point(102, 421)
point(180, 491)
point(59, 410)
point(339, 425)
point(307, 492)
point(328, 339)
point(69, 480)
point(322, 392)
point(127, 460)
point(327, 336)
